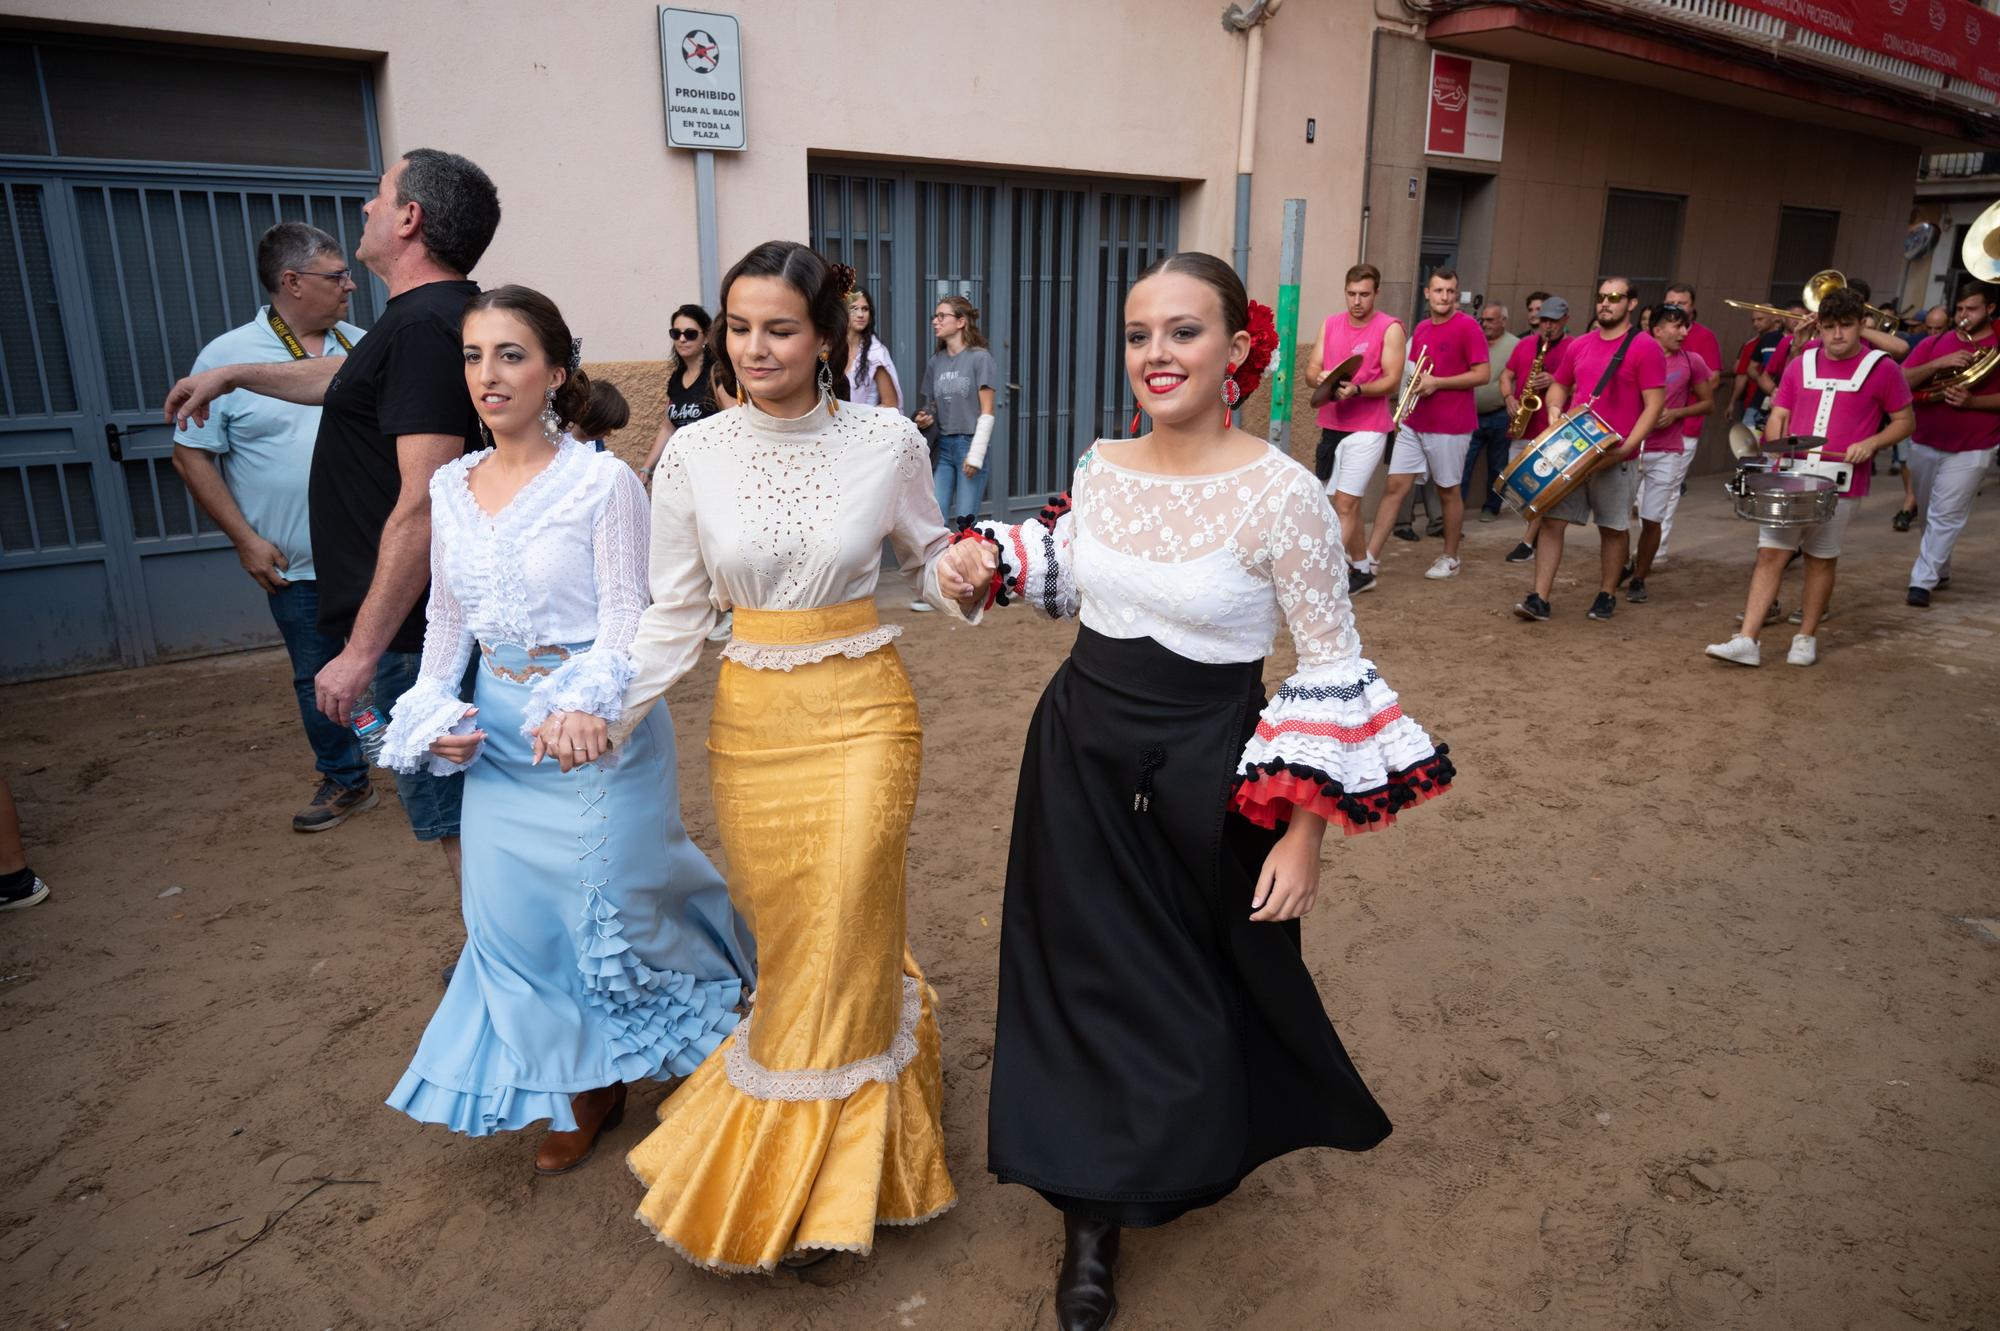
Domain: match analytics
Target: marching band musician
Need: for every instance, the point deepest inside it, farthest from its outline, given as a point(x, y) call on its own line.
point(1439, 428)
point(1956, 436)
point(1354, 426)
point(1664, 458)
point(1622, 377)
point(1837, 392)
point(1521, 375)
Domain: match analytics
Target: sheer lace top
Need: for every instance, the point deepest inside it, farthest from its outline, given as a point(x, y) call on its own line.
point(1212, 566)
point(769, 514)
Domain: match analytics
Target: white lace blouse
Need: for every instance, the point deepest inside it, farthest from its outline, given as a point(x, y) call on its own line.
point(768, 514)
point(1210, 567)
point(563, 564)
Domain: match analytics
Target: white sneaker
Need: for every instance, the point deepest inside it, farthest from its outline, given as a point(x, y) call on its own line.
point(1741, 650)
point(1446, 567)
point(1804, 651)
point(723, 627)
point(921, 606)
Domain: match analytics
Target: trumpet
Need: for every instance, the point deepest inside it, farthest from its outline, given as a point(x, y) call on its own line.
point(1406, 400)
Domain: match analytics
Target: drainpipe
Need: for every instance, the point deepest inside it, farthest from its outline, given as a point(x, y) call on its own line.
point(1250, 21)
point(1368, 148)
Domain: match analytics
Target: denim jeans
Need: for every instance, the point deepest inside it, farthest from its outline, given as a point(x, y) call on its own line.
point(295, 610)
point(958, 495)
point(431, 803)
point(1491, 437)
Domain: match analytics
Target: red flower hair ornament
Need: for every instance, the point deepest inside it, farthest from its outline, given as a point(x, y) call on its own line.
point(1263, 342)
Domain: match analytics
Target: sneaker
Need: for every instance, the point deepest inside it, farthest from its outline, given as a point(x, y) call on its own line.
point(22, 890)
point(1521, 554)
point(1635, 591)
point(1739, 649)
point(921, 607)
point(1359, 580)
point(1771, 616)
point(1804, 651)
point(1532, 607)
point(1603, 606)
point(333, 804)
point(724, 627)
point(1445, 567)
point(1405, 533)
point(1488, 514)
point(1918, 597)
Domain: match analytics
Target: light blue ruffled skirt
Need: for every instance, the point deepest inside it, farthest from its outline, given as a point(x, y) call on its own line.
point(600, 943)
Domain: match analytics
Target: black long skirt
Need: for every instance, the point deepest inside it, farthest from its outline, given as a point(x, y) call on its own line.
point(1153, 1046)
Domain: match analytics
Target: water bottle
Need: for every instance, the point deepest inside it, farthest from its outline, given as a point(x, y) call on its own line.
point(370, 726)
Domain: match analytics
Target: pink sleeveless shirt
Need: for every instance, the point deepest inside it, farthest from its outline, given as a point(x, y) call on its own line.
point(1341, 339)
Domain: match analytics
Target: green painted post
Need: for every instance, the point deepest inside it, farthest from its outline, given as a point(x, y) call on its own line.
point(1290, 258)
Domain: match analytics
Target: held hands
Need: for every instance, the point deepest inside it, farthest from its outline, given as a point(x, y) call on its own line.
point(572, 739)
point(460, 749)
point(264, 562)
point(966, 570)
point(1288, 884)
point(188, 400)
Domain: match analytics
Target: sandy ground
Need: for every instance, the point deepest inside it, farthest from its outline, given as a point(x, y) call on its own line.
point(1674, 1001)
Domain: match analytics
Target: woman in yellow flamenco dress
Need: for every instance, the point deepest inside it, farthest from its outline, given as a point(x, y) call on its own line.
point(818, 1118)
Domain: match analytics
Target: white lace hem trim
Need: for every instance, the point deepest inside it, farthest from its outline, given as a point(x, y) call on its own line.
point(758, 1082)
point(764, 656)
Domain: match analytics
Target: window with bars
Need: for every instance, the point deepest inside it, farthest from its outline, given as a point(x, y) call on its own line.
point(1642, 240)
point(1805, 247)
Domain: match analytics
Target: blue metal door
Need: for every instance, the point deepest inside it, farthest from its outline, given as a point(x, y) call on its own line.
point(128, 277)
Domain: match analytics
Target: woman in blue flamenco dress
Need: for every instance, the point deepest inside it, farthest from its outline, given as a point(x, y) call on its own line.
point(600, 947)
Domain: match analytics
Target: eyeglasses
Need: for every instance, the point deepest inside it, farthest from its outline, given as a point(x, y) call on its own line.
point(1613, 297)
point(936, 317)
point(687, 334)
point(338, 274)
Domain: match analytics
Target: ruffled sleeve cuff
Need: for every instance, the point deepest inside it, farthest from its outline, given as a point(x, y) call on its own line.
point(422, 715)
point(1335, 741)
point(1034, 565)
point(592, 681)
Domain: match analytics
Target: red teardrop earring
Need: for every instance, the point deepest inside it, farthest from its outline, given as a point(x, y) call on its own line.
point(1232, 393)
point(1133, 429)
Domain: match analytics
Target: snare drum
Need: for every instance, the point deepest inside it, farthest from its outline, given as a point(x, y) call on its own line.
point(1774, 498)
point(1549, 469)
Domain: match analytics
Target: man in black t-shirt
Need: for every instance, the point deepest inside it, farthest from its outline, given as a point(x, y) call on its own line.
point(395, 411)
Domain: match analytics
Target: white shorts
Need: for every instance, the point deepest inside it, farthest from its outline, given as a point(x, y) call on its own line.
point(1421, 451)
point(1660, 477)
point(1355, 461)
point(1821, 540)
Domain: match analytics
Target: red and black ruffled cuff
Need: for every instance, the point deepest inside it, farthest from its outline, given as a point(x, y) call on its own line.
point(967, 529)
point(1266, 793)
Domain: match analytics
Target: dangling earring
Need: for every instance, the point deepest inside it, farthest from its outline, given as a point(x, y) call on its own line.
point(742, 398)
point(1232, 393)
point(826, 383)
point(1133, 430)
point(550, 425)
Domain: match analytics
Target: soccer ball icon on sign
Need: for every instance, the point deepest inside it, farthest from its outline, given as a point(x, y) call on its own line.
point(701, 51)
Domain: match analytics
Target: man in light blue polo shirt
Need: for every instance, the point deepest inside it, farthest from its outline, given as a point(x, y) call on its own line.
point(248, 466)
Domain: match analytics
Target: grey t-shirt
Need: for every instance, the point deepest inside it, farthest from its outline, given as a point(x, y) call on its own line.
point(951, 387)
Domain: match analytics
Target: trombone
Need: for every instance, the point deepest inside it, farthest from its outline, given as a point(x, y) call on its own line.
point(1406, 400)
point(1818, 287)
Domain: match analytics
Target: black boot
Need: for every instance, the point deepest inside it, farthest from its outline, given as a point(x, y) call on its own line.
point(1085, 1299)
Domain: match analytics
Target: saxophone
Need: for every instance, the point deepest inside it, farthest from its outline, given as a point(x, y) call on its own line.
point(1530, 401)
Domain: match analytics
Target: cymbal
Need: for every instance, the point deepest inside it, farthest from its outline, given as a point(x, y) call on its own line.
point(1981, 250)
point(1742, 440)
point(1335, 377)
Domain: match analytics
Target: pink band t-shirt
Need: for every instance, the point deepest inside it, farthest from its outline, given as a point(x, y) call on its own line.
point(1952, 429)
point(1341, 339)
point(1455, 346)
point(1854, 415)
point(1700, 342)
point(1523, 360)
point(1685, 369)
point(1644, 366)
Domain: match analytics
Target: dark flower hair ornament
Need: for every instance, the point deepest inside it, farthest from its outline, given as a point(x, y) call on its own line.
point(1263, 344)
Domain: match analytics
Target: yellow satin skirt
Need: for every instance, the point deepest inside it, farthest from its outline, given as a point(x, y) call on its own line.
point(818, 1118)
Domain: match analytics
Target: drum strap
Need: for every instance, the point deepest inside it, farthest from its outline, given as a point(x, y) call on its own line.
point(1617, 359)
point(1828, 389)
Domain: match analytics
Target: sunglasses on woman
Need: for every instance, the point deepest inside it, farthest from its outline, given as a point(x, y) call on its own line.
point(687, 334)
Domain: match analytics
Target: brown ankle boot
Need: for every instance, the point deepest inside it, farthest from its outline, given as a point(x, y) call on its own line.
point(596, 1112)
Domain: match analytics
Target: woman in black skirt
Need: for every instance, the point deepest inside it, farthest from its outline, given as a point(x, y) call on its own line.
point(1159, 1035)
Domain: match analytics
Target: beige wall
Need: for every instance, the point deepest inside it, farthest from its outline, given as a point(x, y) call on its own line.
point(561, 104)
point(1569, 137)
